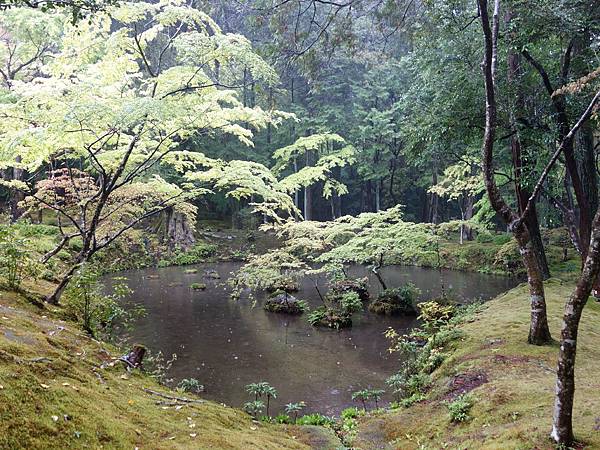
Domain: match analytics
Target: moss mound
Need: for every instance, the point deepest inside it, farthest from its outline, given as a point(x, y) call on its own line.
point(284, 303)
point(396, 301)
point(358, 286)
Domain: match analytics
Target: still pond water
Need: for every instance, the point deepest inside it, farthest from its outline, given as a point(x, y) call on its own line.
point(227, 344)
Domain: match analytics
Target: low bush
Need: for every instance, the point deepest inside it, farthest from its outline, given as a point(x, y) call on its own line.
point(460, 407)
point(190, 385)
point(197, 254)
point(396, 301)
point(316, 419)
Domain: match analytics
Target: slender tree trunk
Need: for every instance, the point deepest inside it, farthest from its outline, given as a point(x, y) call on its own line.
point(433, 199)
point(16, 196)
point(531, 221)
point(54, 298)
point(539, 332)
point(308, 190)
point(562, 424)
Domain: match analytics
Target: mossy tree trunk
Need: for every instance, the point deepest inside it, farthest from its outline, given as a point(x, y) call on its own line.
point(562, 424)
point(539, 333)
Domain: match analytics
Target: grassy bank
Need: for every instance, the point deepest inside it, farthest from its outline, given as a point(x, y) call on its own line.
point(511, 384)
point(59, 389)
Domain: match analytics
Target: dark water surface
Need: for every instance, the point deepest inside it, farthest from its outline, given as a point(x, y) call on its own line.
point(226, 344)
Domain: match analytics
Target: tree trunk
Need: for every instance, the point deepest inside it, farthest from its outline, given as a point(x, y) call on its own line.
point(54, 298)
point(539, 332)
point(522, 194)
point(16, 196)
point(433, 199)
point(308, 190)
point(562, 423)
point(533, 226)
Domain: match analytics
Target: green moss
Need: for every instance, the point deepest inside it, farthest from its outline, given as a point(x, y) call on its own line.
point(67, 401)
point(515, 388)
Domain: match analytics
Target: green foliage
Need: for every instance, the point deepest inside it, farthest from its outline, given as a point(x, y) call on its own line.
point(316, 419)
point(15, 260)
point(317, 316)
point(97, 312)
point(434, 315)
point(459, 408)
point(294, 408)
point(350, 413)
point(276, 270)
point(400, 300)
point(254, 408)
point(190, 385)
point(282, 302)
point(283, 419)
point(365, 395)
point(197, 254)
point(338, 311)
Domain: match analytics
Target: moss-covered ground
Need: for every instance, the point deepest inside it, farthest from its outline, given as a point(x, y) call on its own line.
point(59, 389)
point(512, 384)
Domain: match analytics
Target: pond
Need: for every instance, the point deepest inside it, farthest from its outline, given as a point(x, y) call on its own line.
point(227, 344)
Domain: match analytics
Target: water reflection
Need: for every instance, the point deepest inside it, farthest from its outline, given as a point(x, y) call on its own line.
point(227, 344)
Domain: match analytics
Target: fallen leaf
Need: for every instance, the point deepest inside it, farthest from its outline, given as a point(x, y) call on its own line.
point(192, 425)
point(131, 402)
point(55, 418)
point(178, 407)
point(253, 428)
point(66, 384)
point(1, 387)
point(193, 435)
point(124, 377)
point(45, 386)
point(138, 431)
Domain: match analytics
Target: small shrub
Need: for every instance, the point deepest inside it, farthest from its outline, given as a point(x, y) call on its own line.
point(190, 385)
point(350, 302)
point(317, 316)
point(350, 413)
point(316, 419)
point(501, 239)
point(409, 401)
point(395, 301)
point(254, 408)
point(434, 315)
point(97, 312)
point(198, 253)
point(358, 286)
point(15, 260)
point(459, 408)
point(282, 302)
point(294, 408)
point(283, 419)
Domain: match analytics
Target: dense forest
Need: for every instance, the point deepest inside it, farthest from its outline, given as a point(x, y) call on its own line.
point(386, 208)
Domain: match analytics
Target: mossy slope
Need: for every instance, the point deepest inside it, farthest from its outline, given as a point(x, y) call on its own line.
point(512, 383)
point(54, 395)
